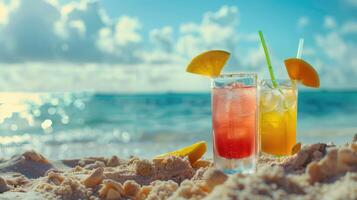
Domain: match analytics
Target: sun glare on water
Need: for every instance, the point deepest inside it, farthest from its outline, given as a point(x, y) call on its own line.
point(23, 113)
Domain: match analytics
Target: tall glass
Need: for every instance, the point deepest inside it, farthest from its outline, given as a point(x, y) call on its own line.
point(278, 112)
point(234, 122)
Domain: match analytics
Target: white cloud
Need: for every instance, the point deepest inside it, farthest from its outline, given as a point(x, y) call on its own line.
point(6, 9)
point(75, 32)
point(254, 58)
point(82, 34)
point(308, 51)
point(303, 22)
point(333, 54)
point(81, 31)
point(106, 41)
point(351, 2)
point(126, 31)
point(333, 45)
point(39, 42)
point(79, 26)
point(3, 14)
point(25, 77)
point(162, 47)
point(349, 27)
point(99, 77)
point(338, 61)
point(329, 22)
point(250, 37)
point(121, 41)
point(226, 15)
point(162, 38)
point(216, 31)
point(79, 44)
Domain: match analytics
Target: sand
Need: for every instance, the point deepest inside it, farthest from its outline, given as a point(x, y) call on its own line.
point(317, 171)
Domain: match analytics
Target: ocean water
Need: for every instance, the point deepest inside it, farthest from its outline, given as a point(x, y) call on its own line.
point(72, 125)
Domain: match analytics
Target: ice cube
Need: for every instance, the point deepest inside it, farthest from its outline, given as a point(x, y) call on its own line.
point(245, 102)
point(289, 100)
point(269, 100)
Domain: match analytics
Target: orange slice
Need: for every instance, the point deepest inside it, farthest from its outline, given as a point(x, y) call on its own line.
point(302, 71)
point(194, 152)
point(296, 148)
point(209, 63)
point(201, 164)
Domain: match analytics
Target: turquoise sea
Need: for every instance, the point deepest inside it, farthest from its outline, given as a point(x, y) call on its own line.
point(72, 125)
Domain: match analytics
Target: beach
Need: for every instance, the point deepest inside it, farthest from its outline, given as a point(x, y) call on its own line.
point(317, 171)
point(102, 146)
point(185, 100)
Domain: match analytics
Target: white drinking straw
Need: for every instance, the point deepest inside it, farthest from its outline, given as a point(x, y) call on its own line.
point(301, 46)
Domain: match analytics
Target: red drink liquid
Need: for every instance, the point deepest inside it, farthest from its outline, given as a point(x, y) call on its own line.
point(234, 115)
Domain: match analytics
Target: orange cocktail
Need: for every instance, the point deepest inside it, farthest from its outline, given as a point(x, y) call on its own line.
point(278, 111)
point(278, 103)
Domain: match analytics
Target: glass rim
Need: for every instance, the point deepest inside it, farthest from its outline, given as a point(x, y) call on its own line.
point(248, 79)
point(279, 79)
point(287, 83)
point(237, 74)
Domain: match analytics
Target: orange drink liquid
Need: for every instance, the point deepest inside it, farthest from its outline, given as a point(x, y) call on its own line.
point(278, 113)
point(234, 122)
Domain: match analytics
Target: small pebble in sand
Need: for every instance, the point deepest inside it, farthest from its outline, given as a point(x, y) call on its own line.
point(3, 186)
point(94, 178)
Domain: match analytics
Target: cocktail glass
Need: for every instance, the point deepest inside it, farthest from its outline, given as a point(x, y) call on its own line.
point(278, 112)
point(234, 122)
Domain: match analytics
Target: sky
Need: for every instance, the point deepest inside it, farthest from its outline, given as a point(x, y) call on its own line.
point(135, 46)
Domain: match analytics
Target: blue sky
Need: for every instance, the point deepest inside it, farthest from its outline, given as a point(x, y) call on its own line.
point(144, 46)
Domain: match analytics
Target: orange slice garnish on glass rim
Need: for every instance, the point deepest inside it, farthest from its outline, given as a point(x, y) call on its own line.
point(209, 63)
point(303, 72)
point(194, 152)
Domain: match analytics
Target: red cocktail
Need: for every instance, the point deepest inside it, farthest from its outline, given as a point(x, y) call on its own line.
point(234, 121)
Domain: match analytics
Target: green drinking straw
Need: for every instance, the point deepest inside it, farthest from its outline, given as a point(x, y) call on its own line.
point(270, 67)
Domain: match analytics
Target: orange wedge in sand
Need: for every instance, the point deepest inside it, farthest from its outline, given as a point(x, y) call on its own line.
point(303, 72)
point(194, 152)
point(209, 63)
